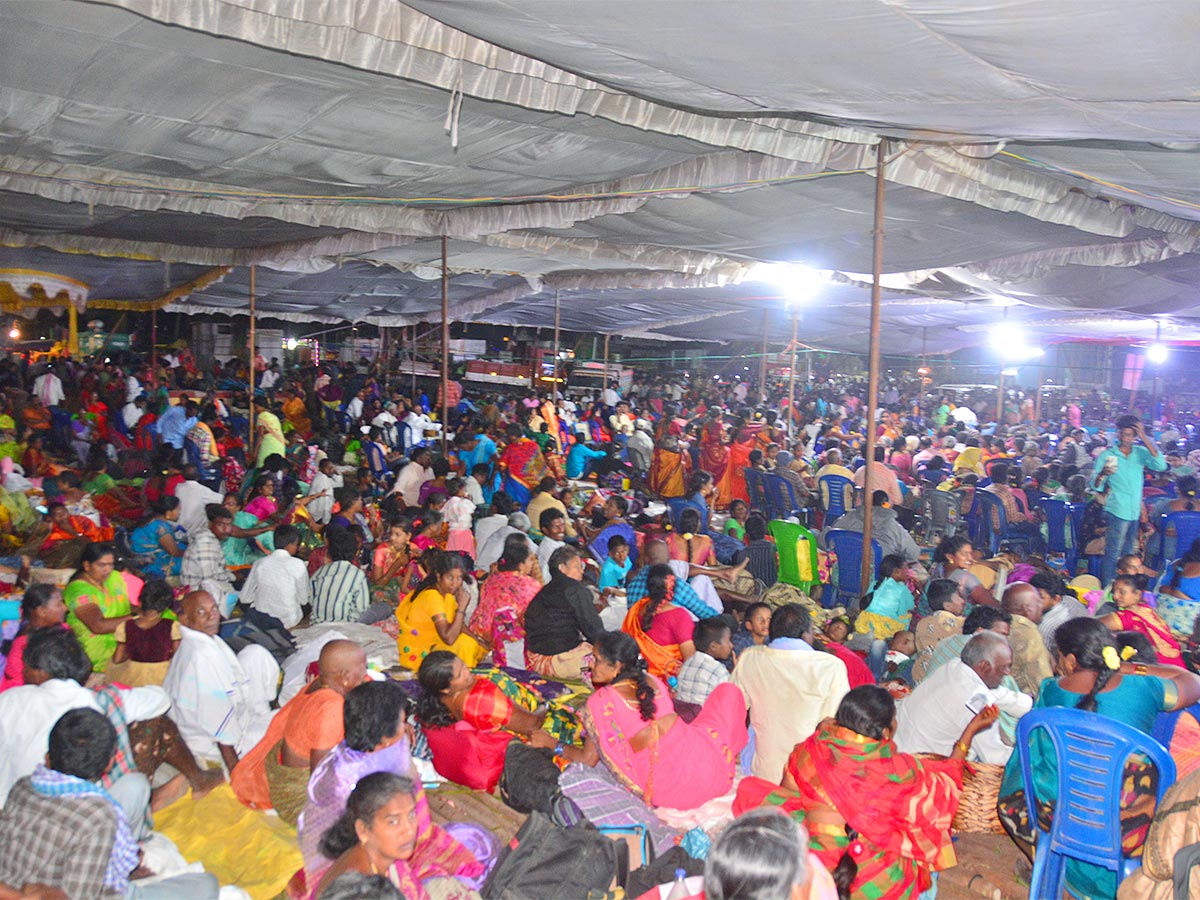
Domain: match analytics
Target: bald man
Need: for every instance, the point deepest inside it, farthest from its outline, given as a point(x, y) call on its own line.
point(1031, 661)
point(274, 775)
point(702, 601)
point(220, 701)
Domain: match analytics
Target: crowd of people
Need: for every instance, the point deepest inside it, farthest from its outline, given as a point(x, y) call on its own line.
point(325, 602)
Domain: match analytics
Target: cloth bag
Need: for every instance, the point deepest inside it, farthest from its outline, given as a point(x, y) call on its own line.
point(547, 860)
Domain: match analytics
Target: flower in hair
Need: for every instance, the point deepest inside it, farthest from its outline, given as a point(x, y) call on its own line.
point(856, 848)
point(1111, 659)
point(670, 592)
point(1128, 652)
point(688, 536)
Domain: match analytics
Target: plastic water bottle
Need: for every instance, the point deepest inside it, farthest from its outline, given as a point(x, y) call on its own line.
point(679, 890)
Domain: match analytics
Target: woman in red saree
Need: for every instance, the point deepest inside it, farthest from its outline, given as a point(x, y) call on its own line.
point(1134, 615)
point(878, 819)
point(663, 631)
point(714, 453)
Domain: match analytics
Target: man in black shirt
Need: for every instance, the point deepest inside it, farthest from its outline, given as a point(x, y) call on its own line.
point(561, 622)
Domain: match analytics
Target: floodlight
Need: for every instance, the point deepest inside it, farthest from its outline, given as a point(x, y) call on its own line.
point(1157, 354)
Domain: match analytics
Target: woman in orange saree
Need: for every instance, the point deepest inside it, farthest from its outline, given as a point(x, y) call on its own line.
point(663, 631)
point(670, 469)
point(732, 485)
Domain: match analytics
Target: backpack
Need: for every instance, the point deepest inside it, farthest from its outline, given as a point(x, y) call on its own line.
point(547, 860)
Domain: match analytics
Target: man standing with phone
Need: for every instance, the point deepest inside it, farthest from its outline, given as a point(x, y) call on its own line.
point(1119, 475)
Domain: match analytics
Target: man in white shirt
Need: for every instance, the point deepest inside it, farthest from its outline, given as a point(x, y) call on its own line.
point(553, 526)
point(354, 409)
point(221, 702)
point(789, 688)
point(620, 421)
point(269, 378)
point(326, 481)
point(133, 411)
point(193, 498)
point(48, 388)
point(932, 719)
point(611, 397)
point(411, 477)
point(278, 584)
point(56, 668)
point(386, 423)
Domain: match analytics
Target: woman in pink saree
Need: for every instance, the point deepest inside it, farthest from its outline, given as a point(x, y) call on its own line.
point(633, 728)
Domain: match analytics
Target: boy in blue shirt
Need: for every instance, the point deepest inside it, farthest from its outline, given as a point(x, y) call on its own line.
point(616, 567)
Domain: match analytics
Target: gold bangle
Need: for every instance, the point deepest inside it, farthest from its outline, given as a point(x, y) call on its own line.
point(1140, 669)
point(964, 747)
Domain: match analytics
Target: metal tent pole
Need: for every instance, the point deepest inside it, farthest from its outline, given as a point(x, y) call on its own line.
point(791, 430)
point(554, 384)
point(604, 386)
point(445, 345)
point(253, 345)
point(868, 570)
point(762, 360)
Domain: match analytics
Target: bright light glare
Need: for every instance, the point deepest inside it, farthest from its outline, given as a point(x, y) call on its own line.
point(1010, 341)
point(798, 282)
point(1157, 354)
point(15, 333)
point(291, 343)
point(1009, 373)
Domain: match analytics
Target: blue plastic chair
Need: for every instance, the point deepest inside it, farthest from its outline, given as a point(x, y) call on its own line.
point(831, 490)
point(1058, 523)
point(991, 537)
point(1091, 751)
point(1094, 561)
point(1187, 530)
point(781, 498)
point(754, 486)
point(848, 545)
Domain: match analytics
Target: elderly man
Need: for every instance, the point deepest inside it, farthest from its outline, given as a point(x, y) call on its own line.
point(204, 566)
point(274, 775)
point(1031, 661)
point(933, 718)
point(193, 498)
point(789, 687)
point(833, 466)
point(221, 702)
point(561, 622)
point(885, 528)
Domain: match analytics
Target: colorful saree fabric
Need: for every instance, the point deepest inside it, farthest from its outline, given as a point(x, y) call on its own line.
point(901, 807)
point(500, 614)
point(661, 662)
point(684, 766)
point(524, 461)
point(1144, 620)
point(438, 853)
point(669, 471)
point(113, 601)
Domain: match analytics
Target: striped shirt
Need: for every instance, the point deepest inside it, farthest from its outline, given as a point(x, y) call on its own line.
point(340, 593)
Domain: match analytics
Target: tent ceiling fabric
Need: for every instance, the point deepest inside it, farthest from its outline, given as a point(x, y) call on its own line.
point(332, 144)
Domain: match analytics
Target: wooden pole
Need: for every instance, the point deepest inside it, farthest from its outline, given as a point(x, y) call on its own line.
point(445, 345)
point(554, 384)
point(762, 360)
point(413, 369)
point(253, 325)
point(791, 430)
point(383, 360)
point(72, 331)
point(1037, 398)
point(868, 569)
point(153, 338)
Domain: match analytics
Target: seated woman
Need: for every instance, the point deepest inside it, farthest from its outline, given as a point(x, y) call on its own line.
point(878, 819)
point(1134, 615)
point(689, 544)
point(1179, 599)
point(632, 727)
point(1092, 677)
point(69, 536)
point(41, 607)
point(160, 542)
point(890, 602)
point(763, 855)
point(504, 597)
point(376, 834)
point(488, 702)
point(275, 773)
point(952, 560)
point(390, 563)
point(433, 616)
point(98, 602)
point(249, 540)
point(378, 739)
point(663, 631)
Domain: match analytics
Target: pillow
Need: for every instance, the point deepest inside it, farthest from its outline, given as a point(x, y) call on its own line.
point(467, 756)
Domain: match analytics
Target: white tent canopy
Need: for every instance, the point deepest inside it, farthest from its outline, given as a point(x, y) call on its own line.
point(638, 160)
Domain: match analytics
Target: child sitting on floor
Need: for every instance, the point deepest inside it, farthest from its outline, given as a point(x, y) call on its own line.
point(147, 642)
point(616, 568)
point(1134, 615)
point(901, 649)
point(704, 670)
point(755, 627)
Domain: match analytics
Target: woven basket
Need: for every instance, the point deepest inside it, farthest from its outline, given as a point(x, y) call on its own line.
point(977, 807)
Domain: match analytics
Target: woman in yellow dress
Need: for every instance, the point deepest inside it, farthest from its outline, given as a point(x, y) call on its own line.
point(432, 618)
point(297, 413)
